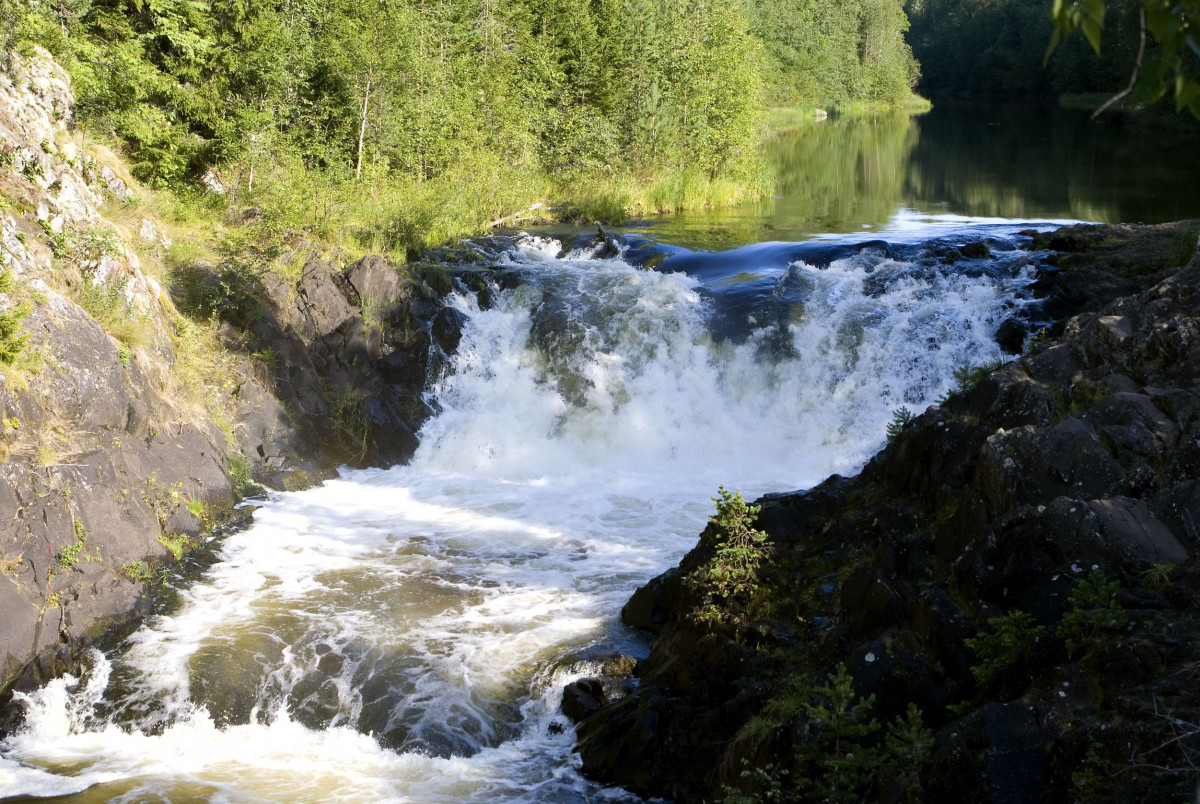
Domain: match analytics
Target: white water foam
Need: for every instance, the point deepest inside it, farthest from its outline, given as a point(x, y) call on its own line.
point(405, 634)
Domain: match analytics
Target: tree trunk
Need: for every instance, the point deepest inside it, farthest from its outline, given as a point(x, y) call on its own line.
point(362, 127)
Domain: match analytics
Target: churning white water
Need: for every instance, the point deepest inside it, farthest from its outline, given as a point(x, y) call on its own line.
point(404, 634)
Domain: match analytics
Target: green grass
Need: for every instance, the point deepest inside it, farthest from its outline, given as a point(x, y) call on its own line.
point(176, 543)
point(105, 301)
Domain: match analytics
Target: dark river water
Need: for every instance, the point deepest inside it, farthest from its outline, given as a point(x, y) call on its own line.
point(899, 173)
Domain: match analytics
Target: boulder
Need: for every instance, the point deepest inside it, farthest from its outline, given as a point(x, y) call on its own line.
point(1135, 534)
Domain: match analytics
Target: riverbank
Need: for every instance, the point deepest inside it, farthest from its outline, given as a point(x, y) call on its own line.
point(153, 371)
point(999, 607)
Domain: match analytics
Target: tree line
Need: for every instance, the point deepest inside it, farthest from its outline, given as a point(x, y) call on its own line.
point(1024, 48)
point(386, 89)
point(999, 47)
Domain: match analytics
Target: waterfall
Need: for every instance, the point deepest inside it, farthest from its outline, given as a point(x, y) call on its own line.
point(404, 634)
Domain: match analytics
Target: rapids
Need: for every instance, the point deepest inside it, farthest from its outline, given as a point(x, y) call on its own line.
point(404, 634)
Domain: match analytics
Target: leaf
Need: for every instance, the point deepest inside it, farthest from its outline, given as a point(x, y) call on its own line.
point(1092, 22)
point(1091, 30)
point(1055, 39)
point(1187, 93)
point(1158, 19)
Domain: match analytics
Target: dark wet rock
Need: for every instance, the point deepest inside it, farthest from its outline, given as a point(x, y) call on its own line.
point(582, 698)
point(447, 329)
point(873, 601)
point(975, 250)
point(1027, 463)
point(182, 522)
point(996, 755)
point(1012, 334)
point(352, 353)
point(1024, 496)
point(650, 605)
point(374, 282)
point(619, 666)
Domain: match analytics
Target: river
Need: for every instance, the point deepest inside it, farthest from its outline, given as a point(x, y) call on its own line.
point(404, 634)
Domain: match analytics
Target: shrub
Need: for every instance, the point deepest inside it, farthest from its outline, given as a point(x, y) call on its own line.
point(11, 343)
point(1095, 619)
point(840, 742)
point(1009, 640)
point(900, 417)
point(909, 745)
point(729, 576)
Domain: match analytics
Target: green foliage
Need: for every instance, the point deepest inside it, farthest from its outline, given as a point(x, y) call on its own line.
point(842, 753)
point(177, 543)
point(967, 377)
point(1172, 66)
point(1004, 646)
point(229, 292)
point(199, 509)
point(900, 417)
point(908, 746)
point(727, 583)
point(138, 572)
point(998, 48)
point(1095, 621)
point(11, 343)
point(832, 53)
point(106, 302)
point(240, 476)
point(350, 420)
point(267, 356)
point(838, 745)
point(400, 123)
point(1157, 576)
point(68, 557)
point(767, 784)
point(162, 498)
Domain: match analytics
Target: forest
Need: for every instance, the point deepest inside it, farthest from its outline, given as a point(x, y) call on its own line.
point(1011, 49)
point(999, 49)
point(414, 121)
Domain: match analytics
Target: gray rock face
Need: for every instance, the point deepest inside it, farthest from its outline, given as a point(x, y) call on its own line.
point(355, 349)
point(103, 464)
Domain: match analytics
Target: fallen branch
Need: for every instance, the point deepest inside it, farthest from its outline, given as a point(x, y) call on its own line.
point(515, 216)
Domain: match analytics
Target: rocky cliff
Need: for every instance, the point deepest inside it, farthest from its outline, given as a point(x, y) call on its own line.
point(1001, 607)
point(143, 390)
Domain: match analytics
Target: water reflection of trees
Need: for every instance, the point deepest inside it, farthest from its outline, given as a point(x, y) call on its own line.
point(1004, 160)
point(841, 174)
point(1014, 160)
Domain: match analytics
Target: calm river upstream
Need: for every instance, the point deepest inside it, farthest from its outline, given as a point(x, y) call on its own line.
point(403, 634)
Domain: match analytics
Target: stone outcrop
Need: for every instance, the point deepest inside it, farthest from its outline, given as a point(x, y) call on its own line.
point(1018, 564)
point(119, 448)
point(351, 353)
